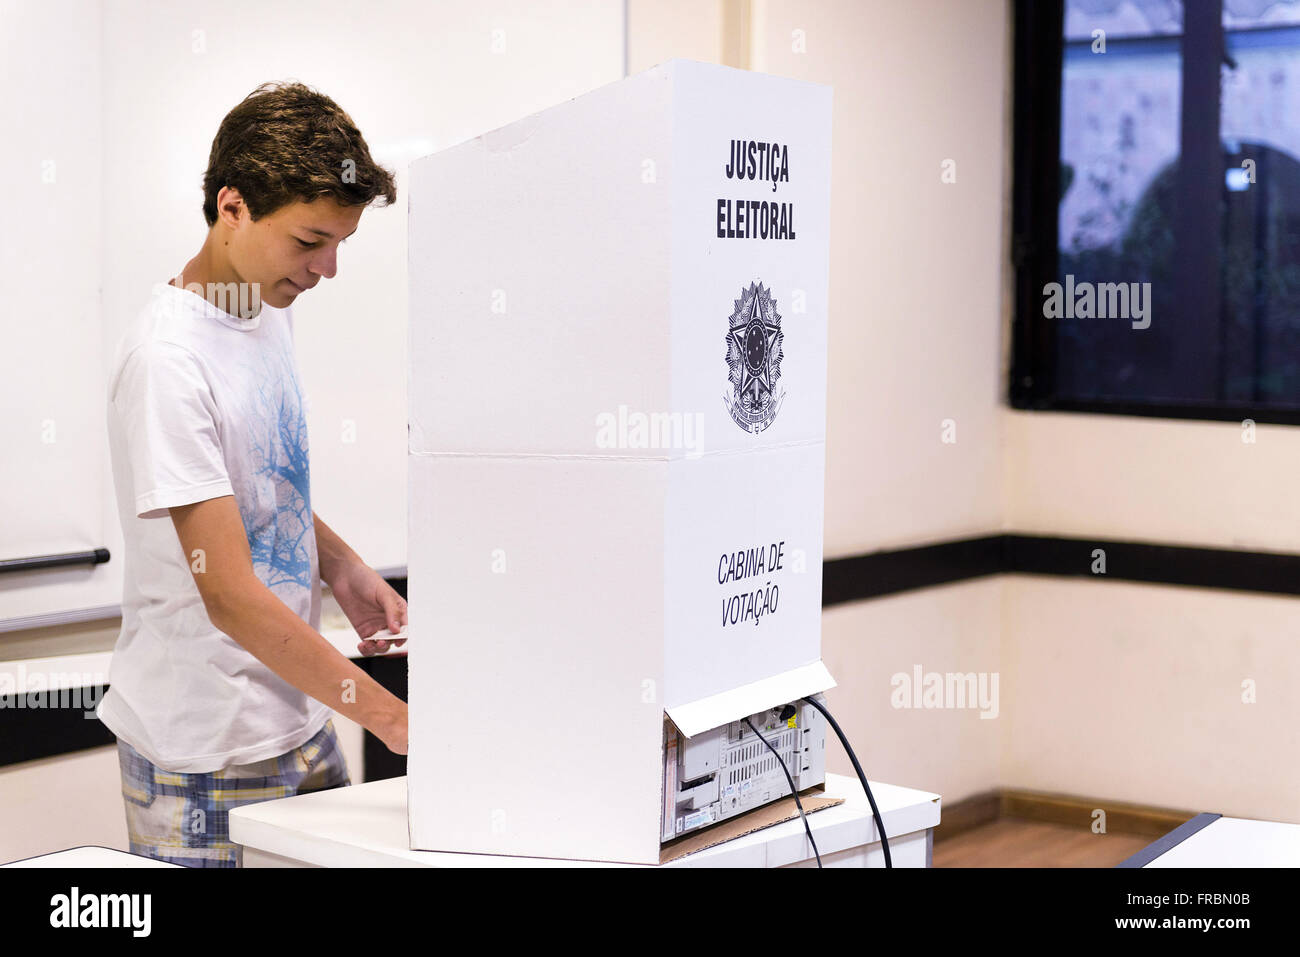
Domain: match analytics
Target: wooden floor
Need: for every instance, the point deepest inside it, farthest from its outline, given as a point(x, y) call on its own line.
point(1014, 842)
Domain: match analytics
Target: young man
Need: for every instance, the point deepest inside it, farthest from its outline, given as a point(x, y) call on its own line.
point(221, 686)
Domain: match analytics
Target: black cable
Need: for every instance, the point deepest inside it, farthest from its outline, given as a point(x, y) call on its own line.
point(875, 811)
point(793, 790)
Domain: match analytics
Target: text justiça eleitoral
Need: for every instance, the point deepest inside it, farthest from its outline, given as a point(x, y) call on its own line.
point(751, 218)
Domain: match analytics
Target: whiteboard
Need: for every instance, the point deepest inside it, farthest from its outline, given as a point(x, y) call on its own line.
point(54, 480)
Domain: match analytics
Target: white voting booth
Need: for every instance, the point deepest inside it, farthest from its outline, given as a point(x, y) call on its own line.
point(617, 423)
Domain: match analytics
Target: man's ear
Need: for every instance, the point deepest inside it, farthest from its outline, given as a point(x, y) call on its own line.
point(230, 207)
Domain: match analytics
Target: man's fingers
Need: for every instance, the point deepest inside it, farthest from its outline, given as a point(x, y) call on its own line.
point(393, 611)
point(375, 646)
point(378, 640)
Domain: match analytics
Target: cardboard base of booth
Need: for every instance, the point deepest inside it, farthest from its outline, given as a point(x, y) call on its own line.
point(769, 814)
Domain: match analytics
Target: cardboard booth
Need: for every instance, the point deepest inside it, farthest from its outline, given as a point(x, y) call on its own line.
point(617, 420)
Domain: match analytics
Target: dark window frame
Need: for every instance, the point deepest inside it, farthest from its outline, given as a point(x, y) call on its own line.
point(1038, 50)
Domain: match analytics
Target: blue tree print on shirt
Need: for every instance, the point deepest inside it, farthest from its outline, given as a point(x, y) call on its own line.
point(282, 541)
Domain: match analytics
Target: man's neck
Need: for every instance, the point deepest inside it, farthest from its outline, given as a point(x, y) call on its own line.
point(209, 270)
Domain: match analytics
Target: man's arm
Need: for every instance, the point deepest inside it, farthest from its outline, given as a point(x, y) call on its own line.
point(335, 555)
point(370, 603)
point(245, 609)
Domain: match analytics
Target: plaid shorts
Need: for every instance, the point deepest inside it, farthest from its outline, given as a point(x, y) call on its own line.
point(183, 818)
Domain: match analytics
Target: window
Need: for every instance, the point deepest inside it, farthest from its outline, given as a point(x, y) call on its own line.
point(1157, 208)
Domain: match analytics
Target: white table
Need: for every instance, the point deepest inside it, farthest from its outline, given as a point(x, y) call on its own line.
point(366, 826)
point(1212, 841)
point(89, 855)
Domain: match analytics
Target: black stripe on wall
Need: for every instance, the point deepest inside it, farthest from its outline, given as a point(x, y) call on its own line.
point(890, 572)
point(886, 573)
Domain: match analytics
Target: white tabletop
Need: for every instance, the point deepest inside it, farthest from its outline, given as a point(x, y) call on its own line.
point(1236, 842)
point(366, 826)
point(89, 856)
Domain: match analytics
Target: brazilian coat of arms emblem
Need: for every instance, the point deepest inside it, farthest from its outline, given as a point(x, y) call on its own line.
point(754, 356)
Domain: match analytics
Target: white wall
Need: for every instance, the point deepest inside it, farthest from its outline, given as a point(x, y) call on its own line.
point(660, 30)
point(1136, 693)
point(953, 628)
point(1167, 480)
point(915, 338)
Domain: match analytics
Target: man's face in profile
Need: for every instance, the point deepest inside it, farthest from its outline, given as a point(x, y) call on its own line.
point(292, 249)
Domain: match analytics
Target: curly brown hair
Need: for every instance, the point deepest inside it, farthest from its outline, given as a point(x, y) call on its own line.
point(287, 142)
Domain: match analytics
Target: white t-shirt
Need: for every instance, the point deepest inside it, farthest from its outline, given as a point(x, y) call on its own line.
point(202, 404)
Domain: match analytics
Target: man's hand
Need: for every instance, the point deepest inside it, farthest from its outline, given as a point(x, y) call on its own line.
point(371, 605)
